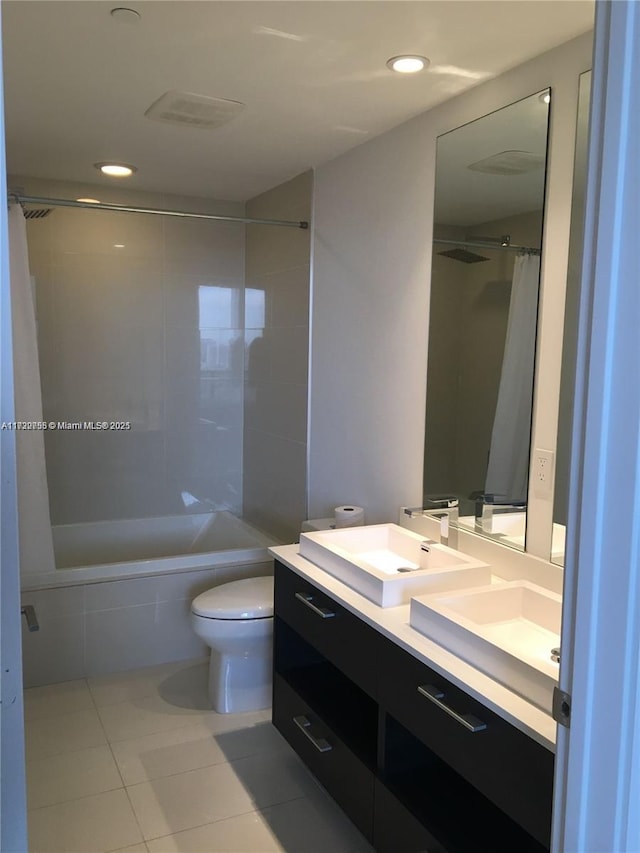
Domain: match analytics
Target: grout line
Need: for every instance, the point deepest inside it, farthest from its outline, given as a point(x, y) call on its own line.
point(74, 799)
point(261, 810)
point(200, 825)
point(135, 814)
point(113, 758)
point(66, 752)
point(195, 722)
point(131, 675)
point(227, 761)
point(38, 719)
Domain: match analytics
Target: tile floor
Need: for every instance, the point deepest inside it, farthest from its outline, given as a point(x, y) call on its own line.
point(138, 762)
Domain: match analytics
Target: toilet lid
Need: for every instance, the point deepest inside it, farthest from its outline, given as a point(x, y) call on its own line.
point(246, 599)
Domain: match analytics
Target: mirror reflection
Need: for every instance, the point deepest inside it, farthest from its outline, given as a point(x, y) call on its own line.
point(569, 344)
point(489, 200)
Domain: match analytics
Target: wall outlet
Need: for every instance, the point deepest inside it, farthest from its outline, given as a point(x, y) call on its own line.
point(543, 471)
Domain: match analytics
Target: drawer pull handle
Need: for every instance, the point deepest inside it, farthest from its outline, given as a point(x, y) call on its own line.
point(307, 599)
point(434, 694)
point(305, 727)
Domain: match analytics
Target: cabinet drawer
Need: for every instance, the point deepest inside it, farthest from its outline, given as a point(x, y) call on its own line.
point(509, 768)
point(344, 776)
point(342, 638)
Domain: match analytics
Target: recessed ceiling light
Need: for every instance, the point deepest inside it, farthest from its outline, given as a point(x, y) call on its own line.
point(408, 63)
point(116, 170)
point(118, 245)
point(88, 200)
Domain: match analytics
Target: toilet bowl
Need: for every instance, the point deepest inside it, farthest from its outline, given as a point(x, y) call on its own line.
point(236, 621)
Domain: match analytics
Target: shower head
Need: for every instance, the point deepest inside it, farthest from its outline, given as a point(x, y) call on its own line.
point(464, 256)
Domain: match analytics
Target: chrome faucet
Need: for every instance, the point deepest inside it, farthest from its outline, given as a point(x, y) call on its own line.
point(443, 507)
point(489, 506)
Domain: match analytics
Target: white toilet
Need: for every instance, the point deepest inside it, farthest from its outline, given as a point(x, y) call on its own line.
point(236, 621)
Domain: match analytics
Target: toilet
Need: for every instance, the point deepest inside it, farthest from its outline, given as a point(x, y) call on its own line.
point(236, 621)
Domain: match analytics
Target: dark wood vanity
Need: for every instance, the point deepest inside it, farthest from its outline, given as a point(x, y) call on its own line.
point(415, 762)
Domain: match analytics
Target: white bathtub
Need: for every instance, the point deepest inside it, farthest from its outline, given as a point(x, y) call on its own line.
point(110, 550)
point(121, 597)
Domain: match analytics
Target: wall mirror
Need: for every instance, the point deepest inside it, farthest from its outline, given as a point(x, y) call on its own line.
point(569, 344)
point(489, 201)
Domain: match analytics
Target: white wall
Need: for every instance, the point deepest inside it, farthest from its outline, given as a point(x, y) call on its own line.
point(369, 321)
point(373, 220)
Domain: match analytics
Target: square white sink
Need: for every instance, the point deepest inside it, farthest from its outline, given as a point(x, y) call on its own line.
point(389, 564)
point(507, 631)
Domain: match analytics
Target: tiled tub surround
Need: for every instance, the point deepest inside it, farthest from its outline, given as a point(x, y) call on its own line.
point(140, 319)
point(90, 629)
point(138, 762)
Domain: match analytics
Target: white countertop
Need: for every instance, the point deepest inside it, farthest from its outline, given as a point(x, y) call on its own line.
point(393, 623)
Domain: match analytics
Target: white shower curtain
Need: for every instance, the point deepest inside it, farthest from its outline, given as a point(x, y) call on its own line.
point(34, 520)
point(508, 466)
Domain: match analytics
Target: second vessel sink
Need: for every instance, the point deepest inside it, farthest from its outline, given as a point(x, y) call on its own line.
point(389, 564)
point(508, 631)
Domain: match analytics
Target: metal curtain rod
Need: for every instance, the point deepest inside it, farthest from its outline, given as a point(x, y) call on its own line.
point(66, 202)
point(480, 245)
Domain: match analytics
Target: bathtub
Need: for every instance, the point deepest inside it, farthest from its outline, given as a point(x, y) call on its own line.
point(121, 595)
point(111, 550)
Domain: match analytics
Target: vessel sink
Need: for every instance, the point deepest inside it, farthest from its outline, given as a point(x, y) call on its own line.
point(389, 564)
point(507, 631)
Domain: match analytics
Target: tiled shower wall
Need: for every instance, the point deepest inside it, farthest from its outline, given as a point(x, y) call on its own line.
point(152, 333)
point(140, 320)
point(277, 345)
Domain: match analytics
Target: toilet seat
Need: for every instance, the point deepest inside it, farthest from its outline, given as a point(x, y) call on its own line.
point(251, 598)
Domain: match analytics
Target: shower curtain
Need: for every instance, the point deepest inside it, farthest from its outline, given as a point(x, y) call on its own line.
point(34, 520)
point(507, 471)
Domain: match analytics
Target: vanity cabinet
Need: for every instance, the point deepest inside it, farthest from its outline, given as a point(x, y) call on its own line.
point(508, 767)
point(416, 763)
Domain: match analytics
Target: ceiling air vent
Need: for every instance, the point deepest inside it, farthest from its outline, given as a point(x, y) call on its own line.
point(192, 110)
point(40, 213)
point(509, 163)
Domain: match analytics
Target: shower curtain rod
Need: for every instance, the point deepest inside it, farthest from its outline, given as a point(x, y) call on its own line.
point(486, 245)
point(66, 202)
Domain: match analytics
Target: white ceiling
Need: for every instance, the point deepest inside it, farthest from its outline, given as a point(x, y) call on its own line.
point(312, 76)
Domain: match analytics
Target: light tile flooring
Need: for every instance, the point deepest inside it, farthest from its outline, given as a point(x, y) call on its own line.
point(138, 762)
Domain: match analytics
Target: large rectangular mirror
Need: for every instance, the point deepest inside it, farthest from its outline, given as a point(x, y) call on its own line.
point(569, 343)
point(489, 201)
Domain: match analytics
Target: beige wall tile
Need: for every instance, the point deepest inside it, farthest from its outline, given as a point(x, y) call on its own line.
point(143, 333)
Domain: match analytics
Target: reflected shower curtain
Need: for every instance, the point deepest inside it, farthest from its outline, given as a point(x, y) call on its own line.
point(34, 520)
point(507, 471)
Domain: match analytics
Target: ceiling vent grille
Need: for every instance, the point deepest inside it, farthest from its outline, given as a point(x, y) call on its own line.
point(39, 213)
point(509, 163)
point(192, 110)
